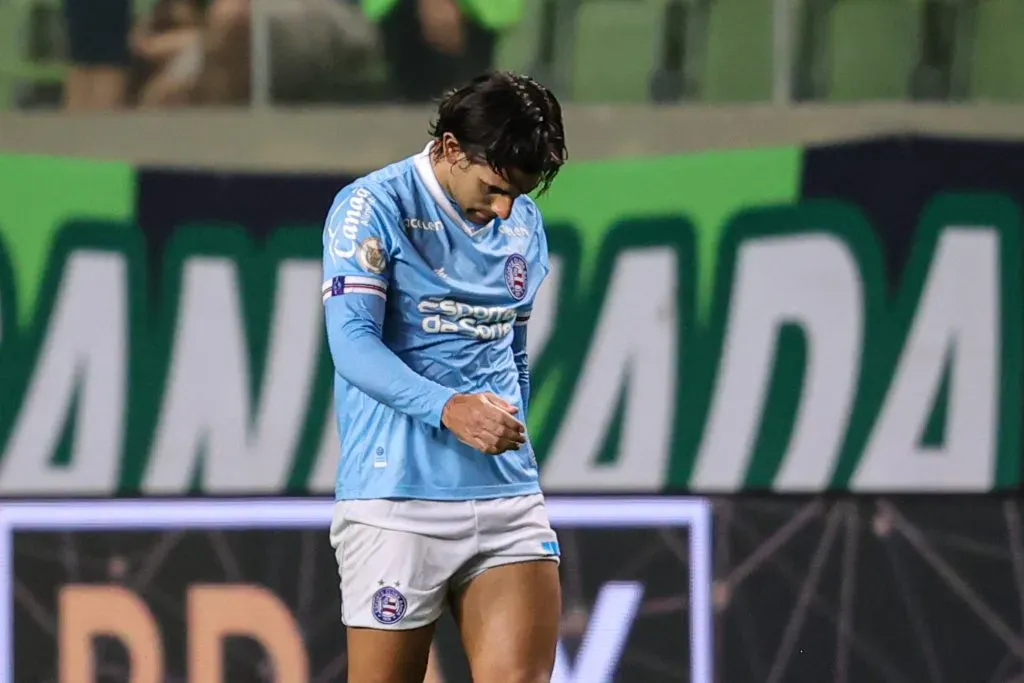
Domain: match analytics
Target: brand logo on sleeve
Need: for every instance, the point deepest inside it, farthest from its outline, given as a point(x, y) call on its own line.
point(344, 223)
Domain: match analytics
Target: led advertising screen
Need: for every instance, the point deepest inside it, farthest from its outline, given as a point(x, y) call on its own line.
point(246, 591)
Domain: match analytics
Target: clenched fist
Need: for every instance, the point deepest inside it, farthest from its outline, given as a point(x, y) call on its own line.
point(484, 422)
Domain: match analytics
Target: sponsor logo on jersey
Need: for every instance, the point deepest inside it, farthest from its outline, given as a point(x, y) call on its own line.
point(345, 221)
point(371, 255)
point(515, 276)
point(388, 605)
point(516, 231)
point(420, 224)
point(447, 316)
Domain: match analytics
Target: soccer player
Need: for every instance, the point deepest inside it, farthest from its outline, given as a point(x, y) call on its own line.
point(431, 266)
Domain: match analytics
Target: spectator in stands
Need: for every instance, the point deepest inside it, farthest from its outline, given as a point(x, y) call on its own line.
point(98, 37)
point(167, 48)
point(197, 52)
point(190, 53)
point(225, 78)
point(432, 45)
point(318, 48)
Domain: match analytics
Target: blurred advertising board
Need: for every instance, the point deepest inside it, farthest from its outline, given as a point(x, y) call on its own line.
point(899, 589)
point(795, 320)
point(804, 590)
point(246, 590)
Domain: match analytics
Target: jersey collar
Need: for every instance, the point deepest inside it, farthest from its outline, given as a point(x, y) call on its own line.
point(425, 171)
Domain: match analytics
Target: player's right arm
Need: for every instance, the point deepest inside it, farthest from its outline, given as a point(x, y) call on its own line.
point(358, 247)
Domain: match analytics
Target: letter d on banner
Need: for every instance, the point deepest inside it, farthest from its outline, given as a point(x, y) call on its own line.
point(217, 611)
point(87, 612)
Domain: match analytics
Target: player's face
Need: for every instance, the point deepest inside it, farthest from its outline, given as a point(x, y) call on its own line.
point(482, 193)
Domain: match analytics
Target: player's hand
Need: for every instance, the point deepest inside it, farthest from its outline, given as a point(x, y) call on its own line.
point(484, 422)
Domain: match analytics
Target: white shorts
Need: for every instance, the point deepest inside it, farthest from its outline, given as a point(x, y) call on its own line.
point(400, 560)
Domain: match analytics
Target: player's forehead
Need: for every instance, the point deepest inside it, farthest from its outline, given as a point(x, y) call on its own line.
point(512, 181)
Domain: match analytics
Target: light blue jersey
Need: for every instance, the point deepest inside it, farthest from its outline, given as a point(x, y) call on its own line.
point(420, 305)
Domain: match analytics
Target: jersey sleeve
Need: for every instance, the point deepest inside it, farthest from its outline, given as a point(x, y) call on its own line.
point(538, 249)
point(538, 253)
point(543, 258)
point(357, 245)
point(357, 253)
point(522, 362)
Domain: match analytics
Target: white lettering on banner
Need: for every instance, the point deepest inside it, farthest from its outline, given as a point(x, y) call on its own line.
point(345, 221)
point(956, 329)
point(81, 366)
point(325, 471)
point(813, 282)
point(207, 408)
point(900, 390)
point(607, 632)
point(635, 348)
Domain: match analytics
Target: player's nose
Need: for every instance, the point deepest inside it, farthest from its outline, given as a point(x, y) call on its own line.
point(502, 207)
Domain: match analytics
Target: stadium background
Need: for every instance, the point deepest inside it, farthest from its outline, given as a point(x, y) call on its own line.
point(812, 209)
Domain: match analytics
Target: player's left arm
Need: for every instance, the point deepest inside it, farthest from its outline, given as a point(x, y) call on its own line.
point(356, 281)
point(538, 270)
point(522, 360)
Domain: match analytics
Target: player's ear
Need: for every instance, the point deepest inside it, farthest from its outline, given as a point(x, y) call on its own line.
point(451, 149)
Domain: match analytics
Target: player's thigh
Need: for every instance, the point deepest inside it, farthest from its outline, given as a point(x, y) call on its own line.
point(394, 585)
point(509, 617)
point(379, 656)
point(508, 595)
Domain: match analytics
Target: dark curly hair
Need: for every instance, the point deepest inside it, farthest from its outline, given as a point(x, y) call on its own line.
point(508, 121)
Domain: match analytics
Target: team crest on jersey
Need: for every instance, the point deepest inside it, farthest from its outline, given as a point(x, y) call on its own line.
point(371, 255)
point(389, 605)
point(515, 276)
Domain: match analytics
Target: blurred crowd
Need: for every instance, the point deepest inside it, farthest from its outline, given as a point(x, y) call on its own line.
point(114, 54)
point(199, 52)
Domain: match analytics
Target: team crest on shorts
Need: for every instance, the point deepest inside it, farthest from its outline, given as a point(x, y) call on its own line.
point(515, 276)
point(388, 605)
